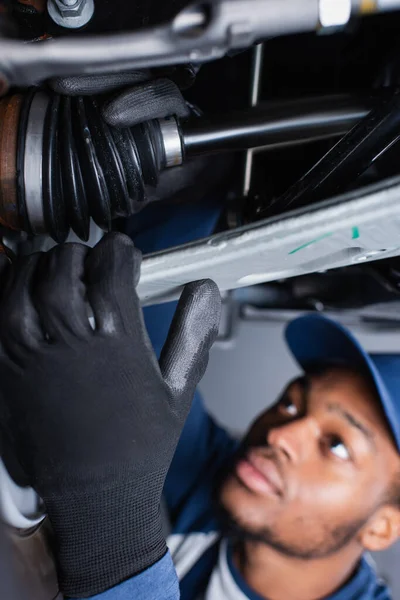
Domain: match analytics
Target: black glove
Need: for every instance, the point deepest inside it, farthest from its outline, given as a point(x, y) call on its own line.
point(94, 418)
point(137, 97)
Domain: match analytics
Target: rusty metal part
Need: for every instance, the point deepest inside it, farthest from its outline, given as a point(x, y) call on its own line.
point(34, 561)
point(10, 108)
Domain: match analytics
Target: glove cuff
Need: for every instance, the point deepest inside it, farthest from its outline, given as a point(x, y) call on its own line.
point(105, 538)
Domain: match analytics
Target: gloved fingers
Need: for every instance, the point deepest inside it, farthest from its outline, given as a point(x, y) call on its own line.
point(88, 85)
point(112, 274)
point(152, 100)
point(60, 293)
point(20, 328)
point(193, 330)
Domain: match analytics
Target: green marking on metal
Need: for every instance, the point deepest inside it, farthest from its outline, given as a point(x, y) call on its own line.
point(318, 239)
point(356, 233)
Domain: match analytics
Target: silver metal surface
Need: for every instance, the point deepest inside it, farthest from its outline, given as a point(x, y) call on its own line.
point(351, 229)
point(255, 95)
point(71, 14)
point(367, 7)
point(33, 175)
point(334, 13)
point(384, 5)
point(232, 24)
point(193, 36)
point(190, 20)
point(172, 142)
point(68, 2)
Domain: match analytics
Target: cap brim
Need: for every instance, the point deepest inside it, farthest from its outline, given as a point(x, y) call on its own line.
point(315, 339)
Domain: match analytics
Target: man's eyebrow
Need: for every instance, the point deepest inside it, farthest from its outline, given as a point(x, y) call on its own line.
point(351, 419)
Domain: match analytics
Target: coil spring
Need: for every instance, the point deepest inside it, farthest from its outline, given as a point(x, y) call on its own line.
point(70, 166)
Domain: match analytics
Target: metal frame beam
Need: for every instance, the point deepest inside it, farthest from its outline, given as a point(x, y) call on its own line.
point(353, 228)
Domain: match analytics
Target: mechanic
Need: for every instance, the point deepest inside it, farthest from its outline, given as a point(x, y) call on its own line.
point(293, 510)
point(287, 514)
point(320, 531)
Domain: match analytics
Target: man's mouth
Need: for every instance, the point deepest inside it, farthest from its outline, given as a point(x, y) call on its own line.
point(260, 474)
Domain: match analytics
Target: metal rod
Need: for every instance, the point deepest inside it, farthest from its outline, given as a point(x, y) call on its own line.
point(255, 95)
point(274, 125)
point(349, 158)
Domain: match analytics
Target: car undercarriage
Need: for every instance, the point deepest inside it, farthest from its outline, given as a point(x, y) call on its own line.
point(287, 122)
point(290, 121)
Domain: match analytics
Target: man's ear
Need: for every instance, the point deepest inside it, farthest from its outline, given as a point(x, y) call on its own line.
point(382, 530)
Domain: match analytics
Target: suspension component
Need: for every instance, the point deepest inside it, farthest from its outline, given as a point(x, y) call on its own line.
point(277, 124)
point(61, 164)
point(200, 33)
point(364, 144)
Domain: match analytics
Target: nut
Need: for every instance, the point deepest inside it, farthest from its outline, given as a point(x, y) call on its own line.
point(71, 13)
point(70, 9)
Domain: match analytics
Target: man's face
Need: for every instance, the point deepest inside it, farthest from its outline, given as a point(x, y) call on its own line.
point(313, 469)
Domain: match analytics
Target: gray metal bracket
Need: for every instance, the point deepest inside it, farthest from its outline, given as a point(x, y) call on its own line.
point(351, 229)
point(205, 31)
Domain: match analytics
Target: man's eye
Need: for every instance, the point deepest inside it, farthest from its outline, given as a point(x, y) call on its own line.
point(288, 406)
point(338, 448)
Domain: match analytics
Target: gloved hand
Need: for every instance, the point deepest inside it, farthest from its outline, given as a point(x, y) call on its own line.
point(93, 416)
point(136, 97)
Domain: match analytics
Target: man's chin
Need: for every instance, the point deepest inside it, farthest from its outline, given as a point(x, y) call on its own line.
point(237, 505)
point(237, 509)
point(232, 494)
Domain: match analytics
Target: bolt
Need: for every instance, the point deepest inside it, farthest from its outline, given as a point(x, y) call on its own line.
point(72, 14)
point(69, 8)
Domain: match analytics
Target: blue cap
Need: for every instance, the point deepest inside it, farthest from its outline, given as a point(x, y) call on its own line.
point(315, 339)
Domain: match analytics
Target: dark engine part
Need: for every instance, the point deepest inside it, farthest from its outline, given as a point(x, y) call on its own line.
point(60, 163)
point(348, 159)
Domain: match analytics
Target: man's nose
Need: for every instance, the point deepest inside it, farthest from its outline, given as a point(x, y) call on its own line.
point(295, 439)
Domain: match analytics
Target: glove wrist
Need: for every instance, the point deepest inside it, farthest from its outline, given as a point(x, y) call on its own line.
point(104, 538)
